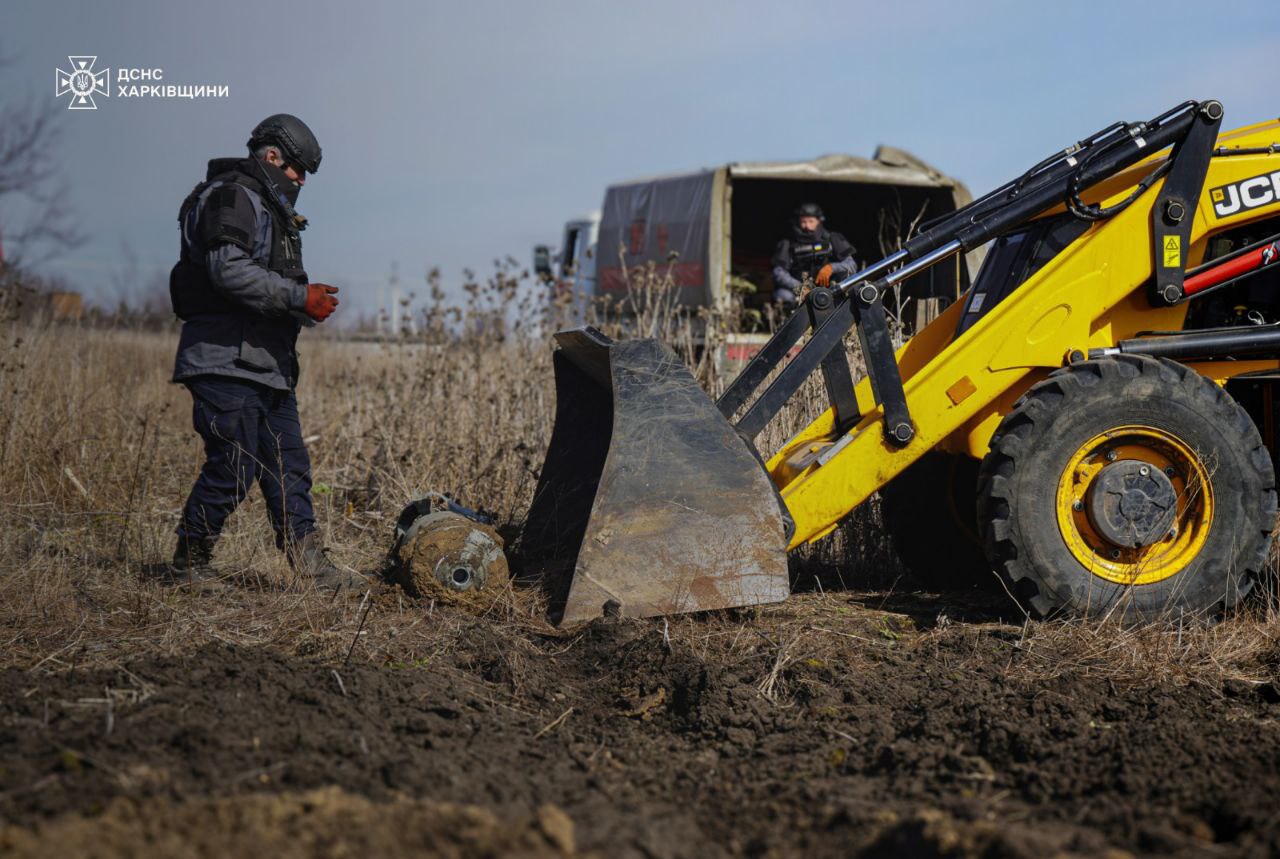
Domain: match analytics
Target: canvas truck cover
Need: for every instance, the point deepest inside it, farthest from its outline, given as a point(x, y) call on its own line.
point(666, 221)
point(678, 221)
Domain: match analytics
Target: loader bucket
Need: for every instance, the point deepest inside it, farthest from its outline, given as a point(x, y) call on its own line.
point(649, 502)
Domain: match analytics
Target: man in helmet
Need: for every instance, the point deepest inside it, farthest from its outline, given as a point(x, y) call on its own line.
point(242, 294)
point(811, 252)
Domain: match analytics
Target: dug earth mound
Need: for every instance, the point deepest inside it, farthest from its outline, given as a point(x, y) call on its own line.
point(321, 822)
point(847, 732)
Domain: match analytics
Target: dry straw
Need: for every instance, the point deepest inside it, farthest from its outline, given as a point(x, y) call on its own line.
point(97, 454)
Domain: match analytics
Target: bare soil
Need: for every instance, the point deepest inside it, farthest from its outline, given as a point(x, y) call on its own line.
point(861, 725)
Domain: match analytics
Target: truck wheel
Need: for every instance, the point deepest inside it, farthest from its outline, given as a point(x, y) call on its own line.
point(1128, 485)
point(929, 512)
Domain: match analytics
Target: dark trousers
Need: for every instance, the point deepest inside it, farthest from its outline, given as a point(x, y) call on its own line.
point(251, 435)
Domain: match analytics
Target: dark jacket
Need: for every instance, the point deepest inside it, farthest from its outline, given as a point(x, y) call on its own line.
point(239, 285)
point(805, 253)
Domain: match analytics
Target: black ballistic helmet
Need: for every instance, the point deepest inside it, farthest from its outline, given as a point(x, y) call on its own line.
point(809, 210)
point(293, 137)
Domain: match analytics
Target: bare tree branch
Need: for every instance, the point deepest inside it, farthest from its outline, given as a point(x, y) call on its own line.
point(28, 182)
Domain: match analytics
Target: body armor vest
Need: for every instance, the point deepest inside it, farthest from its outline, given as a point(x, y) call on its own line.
point(808, 257)
point(228, 217)
point(805, 253)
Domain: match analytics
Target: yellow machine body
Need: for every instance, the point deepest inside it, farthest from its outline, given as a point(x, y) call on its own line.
point(1090, 295)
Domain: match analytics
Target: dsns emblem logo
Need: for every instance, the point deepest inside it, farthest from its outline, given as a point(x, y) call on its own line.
point(1246, 194)
point(82, 82)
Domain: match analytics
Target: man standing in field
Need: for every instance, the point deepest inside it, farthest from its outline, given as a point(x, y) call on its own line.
point(812, 252)
point(241, 291)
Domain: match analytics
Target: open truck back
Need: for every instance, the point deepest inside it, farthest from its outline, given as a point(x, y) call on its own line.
point(716, 224)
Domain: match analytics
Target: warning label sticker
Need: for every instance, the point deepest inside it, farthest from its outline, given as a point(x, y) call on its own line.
point(1173, 251)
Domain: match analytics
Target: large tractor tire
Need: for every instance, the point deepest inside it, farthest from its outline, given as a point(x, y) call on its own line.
point(930, 513)
point(1129, 487)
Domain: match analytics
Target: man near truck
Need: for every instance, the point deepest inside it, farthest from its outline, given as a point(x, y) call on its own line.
point(810, 253)
point(241, 291)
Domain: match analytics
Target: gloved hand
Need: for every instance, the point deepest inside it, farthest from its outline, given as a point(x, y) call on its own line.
point(824, 275)
point(320, 301)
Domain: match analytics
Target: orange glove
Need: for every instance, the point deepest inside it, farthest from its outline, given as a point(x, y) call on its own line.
point(320, 301)
point(824, 275)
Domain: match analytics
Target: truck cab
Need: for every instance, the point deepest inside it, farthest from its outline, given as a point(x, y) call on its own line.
point(570, 271)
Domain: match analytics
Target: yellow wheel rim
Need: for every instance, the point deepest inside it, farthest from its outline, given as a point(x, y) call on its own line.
point(1192, 519)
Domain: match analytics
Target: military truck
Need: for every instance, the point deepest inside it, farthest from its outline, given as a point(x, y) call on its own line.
point(715, 230)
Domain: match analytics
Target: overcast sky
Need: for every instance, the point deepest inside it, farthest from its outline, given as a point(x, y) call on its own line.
point(458, 132)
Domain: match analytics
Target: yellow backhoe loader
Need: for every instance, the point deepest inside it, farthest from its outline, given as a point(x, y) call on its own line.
point(1097, 410)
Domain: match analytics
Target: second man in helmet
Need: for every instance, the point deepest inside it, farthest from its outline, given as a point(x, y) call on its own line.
point(811, 252)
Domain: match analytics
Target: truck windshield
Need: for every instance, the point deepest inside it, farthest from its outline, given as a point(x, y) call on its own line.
point(1013, 258)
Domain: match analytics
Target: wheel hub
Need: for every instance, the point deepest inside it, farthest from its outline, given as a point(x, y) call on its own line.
point(1132, 504)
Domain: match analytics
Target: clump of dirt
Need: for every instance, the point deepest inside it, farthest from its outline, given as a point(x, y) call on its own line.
point(326, 822)
point(882, 741)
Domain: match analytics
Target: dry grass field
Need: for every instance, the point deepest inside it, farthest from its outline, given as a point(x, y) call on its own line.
point(862, 717)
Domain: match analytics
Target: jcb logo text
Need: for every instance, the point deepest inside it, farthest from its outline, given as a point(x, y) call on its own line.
point(1246, 194)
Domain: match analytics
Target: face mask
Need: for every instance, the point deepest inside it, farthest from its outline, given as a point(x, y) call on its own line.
point(805, 235)
point(276, 176)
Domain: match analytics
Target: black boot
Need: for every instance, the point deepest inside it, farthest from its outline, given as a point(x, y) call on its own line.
point(192, 564)
point(310, 559)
